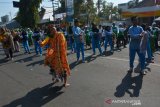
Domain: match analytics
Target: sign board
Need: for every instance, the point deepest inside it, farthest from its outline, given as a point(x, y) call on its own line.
point(69, 10)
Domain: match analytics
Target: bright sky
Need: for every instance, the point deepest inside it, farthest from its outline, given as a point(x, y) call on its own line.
point(116, 2)
point(6, 6)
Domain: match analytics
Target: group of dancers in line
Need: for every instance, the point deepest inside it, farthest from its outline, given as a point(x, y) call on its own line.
point(142, 39)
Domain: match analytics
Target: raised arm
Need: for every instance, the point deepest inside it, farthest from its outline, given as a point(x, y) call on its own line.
point(44, 42)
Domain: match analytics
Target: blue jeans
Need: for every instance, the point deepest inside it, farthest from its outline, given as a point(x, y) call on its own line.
point(38, 48)
point(26, 46)
point(80, 48)
point(96, 44)
point(149, 51)
point(72, 45)
point(108, 39)
point(132, 53)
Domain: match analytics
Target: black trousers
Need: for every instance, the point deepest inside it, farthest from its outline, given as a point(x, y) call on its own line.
point(119, 39)
point(9, 53)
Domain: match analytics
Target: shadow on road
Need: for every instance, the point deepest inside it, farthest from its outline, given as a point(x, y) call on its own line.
point(72, 65)
point(27, 59)
point(16, 54)
point(41, 62)
point(130, 85)
point(5, 62)
point(37, 97)
point(137, 69)
point(107, 53)
point(2, 61)
point(88, 59)
point(118, 50)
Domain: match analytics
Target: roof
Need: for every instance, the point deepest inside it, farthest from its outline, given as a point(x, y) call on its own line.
point(145, 3)
point(11, 24)
point(48, 14)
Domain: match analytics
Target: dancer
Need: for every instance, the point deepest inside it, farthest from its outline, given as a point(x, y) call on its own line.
point(56, 56)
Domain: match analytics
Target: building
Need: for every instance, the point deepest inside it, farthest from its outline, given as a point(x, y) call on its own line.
point(123, 6)
point(46, 16)
point(146, 10)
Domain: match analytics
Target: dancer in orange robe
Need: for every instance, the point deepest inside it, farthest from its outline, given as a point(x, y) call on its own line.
point(56, 56)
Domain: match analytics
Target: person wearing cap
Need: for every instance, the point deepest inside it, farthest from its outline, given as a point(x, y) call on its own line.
point(148, 48)
point(120, 36)
point(79, 40)
point(155, 32)
point(108, 39)
point(37, 38)
point(7, 42)
point(16, 39)
point(56, 55)
point(71, 39)
point(96, 39)
point(136, 33)
point(30, 34)
point(115, 30)
point(87, 37)
point(25, 43)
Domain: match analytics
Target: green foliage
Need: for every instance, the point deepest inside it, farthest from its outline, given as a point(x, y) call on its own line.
point(87, 12)
point(77, 7)
point(99, 5)
point(28, 15)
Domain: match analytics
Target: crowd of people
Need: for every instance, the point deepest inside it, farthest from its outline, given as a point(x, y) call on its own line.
point(116, 37)
point(143, 40)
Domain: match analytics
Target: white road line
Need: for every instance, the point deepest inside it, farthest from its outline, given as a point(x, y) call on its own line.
point(126, 60)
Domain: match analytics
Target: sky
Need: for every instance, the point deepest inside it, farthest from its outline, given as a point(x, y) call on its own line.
point(6, 6)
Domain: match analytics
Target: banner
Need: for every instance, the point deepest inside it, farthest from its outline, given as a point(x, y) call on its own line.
point(142, 12)
point(69, 10)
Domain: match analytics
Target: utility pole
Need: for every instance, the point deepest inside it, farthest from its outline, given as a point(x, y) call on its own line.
point(53, 10)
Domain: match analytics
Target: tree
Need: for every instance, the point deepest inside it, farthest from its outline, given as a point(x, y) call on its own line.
point(88, 11)
point(99, 5)
point(28, 15)
point(77, 7)
point(105, 12)
point(108, 11)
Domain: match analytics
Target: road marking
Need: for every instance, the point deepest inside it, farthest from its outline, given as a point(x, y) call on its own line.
point(126, 60)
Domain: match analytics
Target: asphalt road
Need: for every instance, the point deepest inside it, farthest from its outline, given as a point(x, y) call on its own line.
point(103, 81)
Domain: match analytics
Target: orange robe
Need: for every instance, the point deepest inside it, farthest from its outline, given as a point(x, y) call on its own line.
point(56, 55)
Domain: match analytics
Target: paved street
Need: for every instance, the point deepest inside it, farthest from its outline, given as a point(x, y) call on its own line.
point(100, 82)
